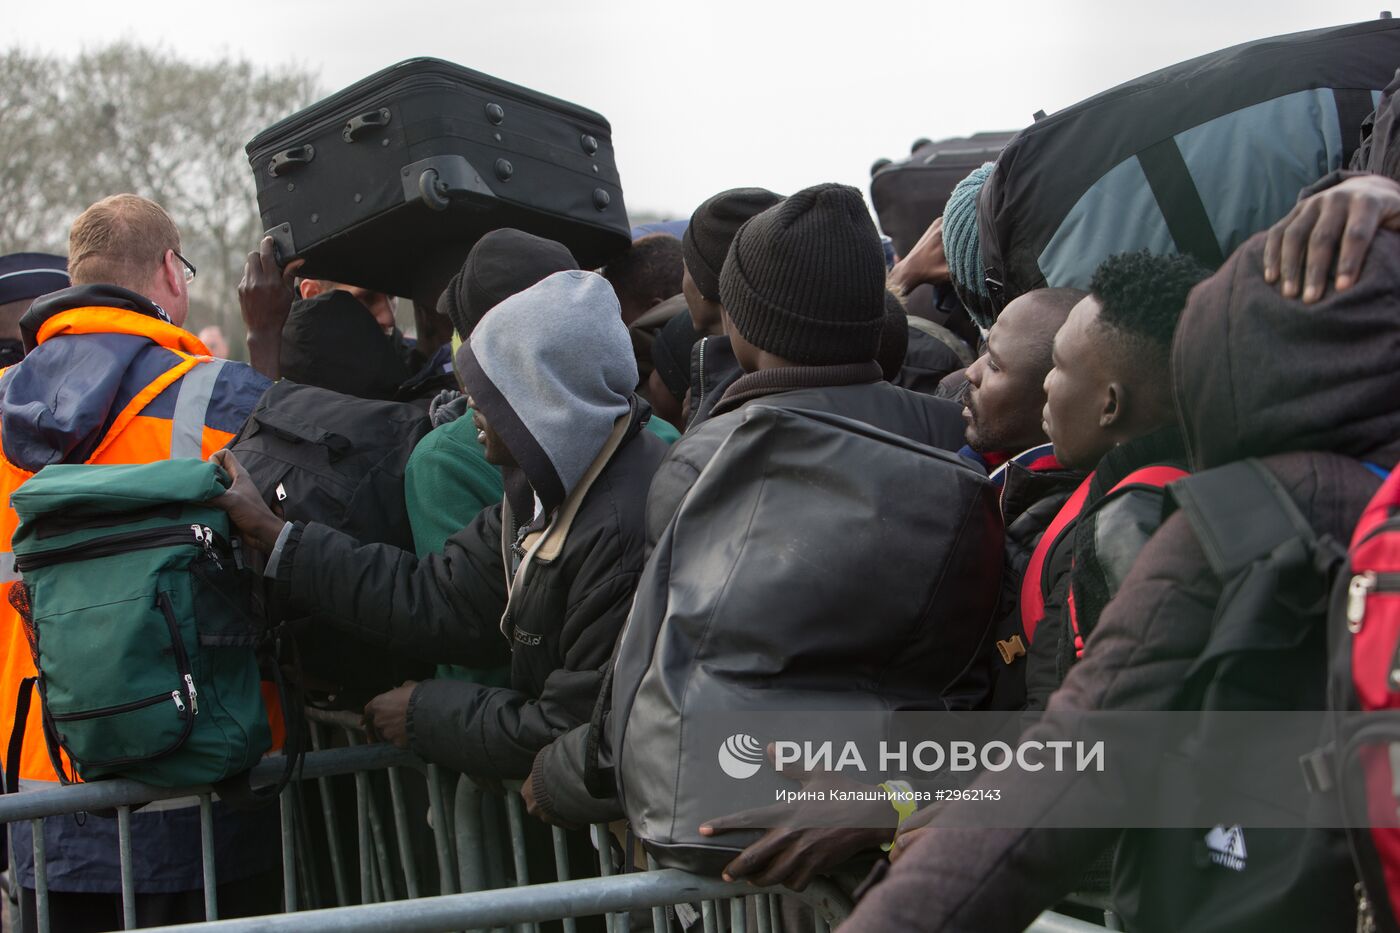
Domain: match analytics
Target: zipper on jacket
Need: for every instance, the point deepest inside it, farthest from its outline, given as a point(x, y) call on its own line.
point(193, 535)
point(695, 406)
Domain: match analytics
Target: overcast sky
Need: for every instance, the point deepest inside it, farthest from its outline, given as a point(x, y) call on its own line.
point(710, 95)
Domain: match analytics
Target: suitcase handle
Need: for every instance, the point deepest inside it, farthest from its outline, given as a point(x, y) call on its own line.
point(358, 126)
point(289, 159)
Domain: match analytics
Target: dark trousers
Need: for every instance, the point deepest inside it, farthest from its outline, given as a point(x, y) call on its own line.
point(72, 912)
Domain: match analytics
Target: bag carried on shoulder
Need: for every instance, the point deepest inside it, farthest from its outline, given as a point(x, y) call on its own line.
point(1365, 650)
point(1193, 159)
point(326, 457)
point(141, 624)
point(1266, 652)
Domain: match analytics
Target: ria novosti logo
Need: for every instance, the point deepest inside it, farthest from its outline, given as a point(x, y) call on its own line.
point(741, 756)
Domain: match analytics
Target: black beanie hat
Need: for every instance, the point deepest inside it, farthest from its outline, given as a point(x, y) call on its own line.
point(806, 278)
point(670, 354)
point(712, 227)
point(502, 263)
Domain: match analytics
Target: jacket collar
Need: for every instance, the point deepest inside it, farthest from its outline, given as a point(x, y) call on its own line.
point(788, 378)
point(103, 309)
point(1165, 446)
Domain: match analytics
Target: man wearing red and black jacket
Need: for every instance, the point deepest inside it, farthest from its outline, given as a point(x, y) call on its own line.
point(1002, 403)
point(1108, 407)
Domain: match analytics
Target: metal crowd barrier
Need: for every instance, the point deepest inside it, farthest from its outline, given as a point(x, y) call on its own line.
point(479, 850)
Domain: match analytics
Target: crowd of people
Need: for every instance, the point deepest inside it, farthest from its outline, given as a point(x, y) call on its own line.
point(574, 411)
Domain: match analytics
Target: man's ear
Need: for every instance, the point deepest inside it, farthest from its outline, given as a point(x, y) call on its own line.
point(1113, 411)
point(309, 288)
point(172, 273)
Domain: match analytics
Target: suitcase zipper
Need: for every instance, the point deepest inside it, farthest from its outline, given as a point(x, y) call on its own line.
point(194, 535)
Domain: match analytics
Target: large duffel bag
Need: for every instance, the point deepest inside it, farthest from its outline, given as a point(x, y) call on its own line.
point(390, 181)
point(799, 574)
point(1194, 158)
point(909, 194)
point(320, 456)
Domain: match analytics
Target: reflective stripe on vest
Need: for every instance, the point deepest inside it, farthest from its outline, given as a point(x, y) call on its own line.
point(191, 406)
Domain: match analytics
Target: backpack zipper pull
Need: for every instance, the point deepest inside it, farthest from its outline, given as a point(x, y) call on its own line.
point(193, 693)
point(1360, 587)
point(179, 703)
point(209, 547)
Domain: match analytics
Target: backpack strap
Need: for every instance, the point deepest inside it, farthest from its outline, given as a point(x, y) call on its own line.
point(1240, 513)
point(23, 697)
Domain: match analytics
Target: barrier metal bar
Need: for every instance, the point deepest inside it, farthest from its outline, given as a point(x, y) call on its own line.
point(289, 865)
point(124, 861)
point(1058, 923)
point(468, 829)
point(323, 787)
point(446, 871)
point(406, 853)
point(119, 792)
point(41, 876)
point(561, 868)
point(206, 855)
point(532, 904)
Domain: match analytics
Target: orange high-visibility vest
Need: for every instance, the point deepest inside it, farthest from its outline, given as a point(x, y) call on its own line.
point(135, 436)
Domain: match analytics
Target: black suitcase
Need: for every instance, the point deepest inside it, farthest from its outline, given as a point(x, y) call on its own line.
point(908, 195)
point(388, 183)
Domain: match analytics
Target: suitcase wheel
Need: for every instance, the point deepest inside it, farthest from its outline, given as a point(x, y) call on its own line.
point(433, 190)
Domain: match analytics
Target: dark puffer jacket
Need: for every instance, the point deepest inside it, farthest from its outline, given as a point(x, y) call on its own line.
point(1310, 390)
point(448, 608)
point(1095, 555)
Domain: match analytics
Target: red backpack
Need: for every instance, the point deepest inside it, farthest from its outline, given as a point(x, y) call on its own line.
point(1366, 678)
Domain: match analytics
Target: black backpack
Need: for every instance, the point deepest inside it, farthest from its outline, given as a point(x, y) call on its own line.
point(320, 456)
point(754, 600)
point(1267, 651)
point(1193, 159)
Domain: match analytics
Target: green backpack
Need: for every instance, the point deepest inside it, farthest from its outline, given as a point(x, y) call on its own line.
point(140, 618)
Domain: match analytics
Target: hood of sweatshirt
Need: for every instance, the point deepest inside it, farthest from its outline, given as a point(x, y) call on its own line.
point(91, 350)
point(552, 369)
point(1255, 373)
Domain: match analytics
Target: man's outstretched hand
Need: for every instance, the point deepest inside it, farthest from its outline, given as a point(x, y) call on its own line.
point(1339, 222)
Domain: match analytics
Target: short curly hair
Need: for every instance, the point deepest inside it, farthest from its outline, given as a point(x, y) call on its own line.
point(1141, 297)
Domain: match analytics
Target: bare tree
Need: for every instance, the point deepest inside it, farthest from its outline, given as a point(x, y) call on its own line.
point(132, 118)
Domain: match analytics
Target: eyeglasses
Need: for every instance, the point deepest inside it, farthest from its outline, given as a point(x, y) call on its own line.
point(189, 267)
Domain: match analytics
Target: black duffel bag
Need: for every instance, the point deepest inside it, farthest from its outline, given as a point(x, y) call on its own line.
point(1193, 159)
point(817, 563)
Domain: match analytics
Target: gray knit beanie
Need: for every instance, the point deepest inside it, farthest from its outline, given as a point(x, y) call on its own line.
point(805, 279)
point(962, 245)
